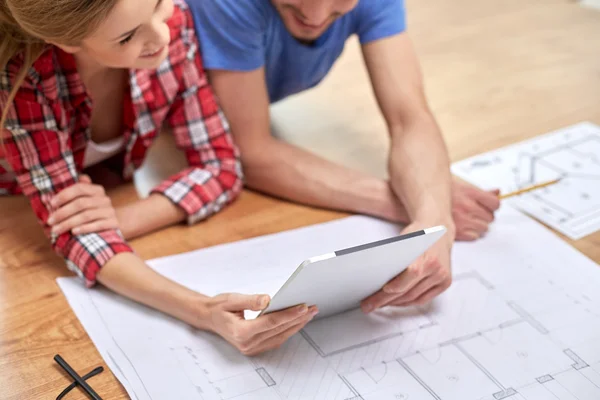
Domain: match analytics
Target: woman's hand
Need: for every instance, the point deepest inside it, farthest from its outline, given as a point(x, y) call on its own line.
point(82, 208)
point(131, 277)
point(251, 337)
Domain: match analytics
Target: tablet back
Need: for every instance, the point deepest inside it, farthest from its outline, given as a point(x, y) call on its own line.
point(338, 281)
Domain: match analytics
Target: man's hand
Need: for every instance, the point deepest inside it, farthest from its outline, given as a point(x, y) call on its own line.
point(423, 280)
point(472, 209)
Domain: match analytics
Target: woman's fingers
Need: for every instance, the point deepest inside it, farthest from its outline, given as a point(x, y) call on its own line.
point(236, 302)
point(77, 206)
point(84, 217)
point(268, 335)
point(276, 341)
point(264, 332)
point(95, 227)
point(75, 191)
point(271, 321)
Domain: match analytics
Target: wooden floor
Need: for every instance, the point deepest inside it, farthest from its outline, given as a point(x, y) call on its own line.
point(496, 72)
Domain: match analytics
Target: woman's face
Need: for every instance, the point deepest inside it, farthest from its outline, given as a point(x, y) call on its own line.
point(134, 35)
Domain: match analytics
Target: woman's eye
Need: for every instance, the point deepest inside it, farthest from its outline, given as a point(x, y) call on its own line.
point(127, 39)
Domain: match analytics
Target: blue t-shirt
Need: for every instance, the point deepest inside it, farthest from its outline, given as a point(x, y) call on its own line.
point(243, 35)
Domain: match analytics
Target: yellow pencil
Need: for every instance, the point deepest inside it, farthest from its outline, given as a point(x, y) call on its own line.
point(529, 189)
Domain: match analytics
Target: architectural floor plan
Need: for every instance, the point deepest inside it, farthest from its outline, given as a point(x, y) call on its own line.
point(572, 154)
point(521, 322)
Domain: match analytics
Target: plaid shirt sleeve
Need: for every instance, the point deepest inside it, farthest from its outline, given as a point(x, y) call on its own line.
point(38, 150)
point(214, 177)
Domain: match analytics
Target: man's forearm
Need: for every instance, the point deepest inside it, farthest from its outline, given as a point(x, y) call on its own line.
point(292, 173)
point(420, 170)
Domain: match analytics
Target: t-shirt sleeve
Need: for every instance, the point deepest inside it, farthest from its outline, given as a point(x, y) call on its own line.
point(230, 33)
point(378, 19)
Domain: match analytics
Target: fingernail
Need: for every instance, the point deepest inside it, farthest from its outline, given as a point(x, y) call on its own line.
point(76, 231)
point(264, 301)
point(314, 312)
point(302, 309)
point(389, 289)
point(473, 235)
point(367, 308)
point(51, 220)
point(393, 290)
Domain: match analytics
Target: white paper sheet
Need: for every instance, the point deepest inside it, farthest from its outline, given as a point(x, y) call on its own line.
point(571, 206)
point(521, 321)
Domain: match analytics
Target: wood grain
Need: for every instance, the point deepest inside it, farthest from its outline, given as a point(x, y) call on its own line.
point(496, 73)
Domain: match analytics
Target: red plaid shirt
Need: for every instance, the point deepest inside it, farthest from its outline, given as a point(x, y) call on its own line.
point(48, 125)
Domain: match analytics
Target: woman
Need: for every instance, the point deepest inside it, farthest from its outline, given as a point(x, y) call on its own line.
point(92, 82)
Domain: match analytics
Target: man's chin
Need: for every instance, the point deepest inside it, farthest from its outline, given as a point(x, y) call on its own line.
point(306, 40)
point(302, 36)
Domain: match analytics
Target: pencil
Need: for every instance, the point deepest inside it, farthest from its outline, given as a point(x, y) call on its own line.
point(90, 392)
point(529, 189)
point(94, 372)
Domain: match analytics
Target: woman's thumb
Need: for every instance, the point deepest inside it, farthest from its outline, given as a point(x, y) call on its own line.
point(83, 178)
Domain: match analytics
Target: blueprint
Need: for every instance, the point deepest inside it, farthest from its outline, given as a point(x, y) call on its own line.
point(521, 321)
point(571, 206)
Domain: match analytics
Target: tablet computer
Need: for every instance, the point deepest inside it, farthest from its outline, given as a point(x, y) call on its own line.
point(338, 281)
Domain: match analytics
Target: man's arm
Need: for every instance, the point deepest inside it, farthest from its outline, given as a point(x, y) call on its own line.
point(419, 165)
point(419, 168)
point(417, 143)
point(286, 171)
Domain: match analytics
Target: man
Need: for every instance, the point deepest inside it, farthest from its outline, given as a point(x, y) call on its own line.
point(260, 51)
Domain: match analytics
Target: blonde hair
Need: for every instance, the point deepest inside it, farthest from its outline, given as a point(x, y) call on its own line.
point(26, 26)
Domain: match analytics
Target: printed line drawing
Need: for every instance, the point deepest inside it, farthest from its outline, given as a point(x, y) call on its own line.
point(265, 376)
point(519, 322)
point(544, 379)
point(571, 206)
point(527, 317)
point(579, 363)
